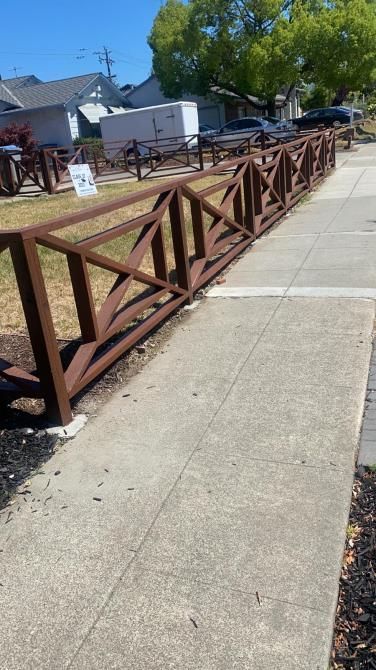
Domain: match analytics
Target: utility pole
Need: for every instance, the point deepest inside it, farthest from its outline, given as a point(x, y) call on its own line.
point(105, 57)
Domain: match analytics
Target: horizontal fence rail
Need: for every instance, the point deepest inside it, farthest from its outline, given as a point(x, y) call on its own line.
point(254, 192)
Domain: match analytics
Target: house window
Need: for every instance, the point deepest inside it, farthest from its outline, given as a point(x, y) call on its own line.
point(242, 111)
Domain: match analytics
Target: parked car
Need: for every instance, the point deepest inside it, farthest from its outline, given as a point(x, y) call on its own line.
point(235, 132)
point(205, 129)
point(280, 123)
point(330, 117)
point(206, 132)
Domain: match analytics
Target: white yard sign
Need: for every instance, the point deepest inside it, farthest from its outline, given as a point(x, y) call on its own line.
point(82, 178)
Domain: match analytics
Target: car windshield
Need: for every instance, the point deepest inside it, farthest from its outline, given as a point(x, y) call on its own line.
point(271, 119)
point(313, 113)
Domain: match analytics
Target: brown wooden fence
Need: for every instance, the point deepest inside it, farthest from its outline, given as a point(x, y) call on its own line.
point(256, 191)
point(15, 174)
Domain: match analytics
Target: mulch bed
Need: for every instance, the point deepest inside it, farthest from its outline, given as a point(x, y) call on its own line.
point(354, 644)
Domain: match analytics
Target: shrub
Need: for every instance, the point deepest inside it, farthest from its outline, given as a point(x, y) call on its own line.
point(93, 144)
point(371, 105)
point(19, 134)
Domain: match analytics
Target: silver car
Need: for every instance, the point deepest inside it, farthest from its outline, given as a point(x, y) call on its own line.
point(239, 131)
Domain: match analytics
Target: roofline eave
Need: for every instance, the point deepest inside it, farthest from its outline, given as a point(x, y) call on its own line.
point(33, 109)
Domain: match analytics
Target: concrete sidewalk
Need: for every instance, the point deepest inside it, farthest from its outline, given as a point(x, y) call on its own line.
point(224, 470)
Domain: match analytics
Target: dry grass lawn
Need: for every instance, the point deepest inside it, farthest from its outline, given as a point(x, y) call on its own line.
point(25, 212)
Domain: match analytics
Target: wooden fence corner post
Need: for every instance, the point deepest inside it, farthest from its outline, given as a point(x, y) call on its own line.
point(41, 330)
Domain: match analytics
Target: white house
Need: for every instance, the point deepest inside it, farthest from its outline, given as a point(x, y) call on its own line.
point(214, 110)
point(61, 110)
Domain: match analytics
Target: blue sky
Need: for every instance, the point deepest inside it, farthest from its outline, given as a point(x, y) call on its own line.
point(48, 36)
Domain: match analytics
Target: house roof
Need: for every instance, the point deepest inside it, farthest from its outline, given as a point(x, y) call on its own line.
point(17, 82)
point(7, 96)
point(32, 95)
point(53, 92)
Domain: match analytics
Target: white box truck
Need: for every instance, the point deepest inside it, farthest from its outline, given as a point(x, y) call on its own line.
point(161, 126)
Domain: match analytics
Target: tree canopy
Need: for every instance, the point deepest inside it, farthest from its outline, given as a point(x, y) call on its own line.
point(254, 48)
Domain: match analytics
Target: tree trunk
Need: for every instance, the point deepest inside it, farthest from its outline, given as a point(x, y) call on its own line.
point(340, 95)
point(271, 107)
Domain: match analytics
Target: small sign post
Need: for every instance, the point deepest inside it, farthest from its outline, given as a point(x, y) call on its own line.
point(82, 179)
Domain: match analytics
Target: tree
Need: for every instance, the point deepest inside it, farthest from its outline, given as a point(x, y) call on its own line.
point(338, 45)
point(315, 96)
point(254, 48)
point(19, 134)
point(238, 46)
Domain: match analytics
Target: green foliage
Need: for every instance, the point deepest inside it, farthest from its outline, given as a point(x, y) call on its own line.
point(256, 47)
point(371, 105)
point(246, 48)
point(94, 145)
point(337, 42)
point(315, 97)
point(95, 142)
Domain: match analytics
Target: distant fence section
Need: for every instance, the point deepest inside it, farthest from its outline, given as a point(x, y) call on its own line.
point(206, 225)
point(47, 170)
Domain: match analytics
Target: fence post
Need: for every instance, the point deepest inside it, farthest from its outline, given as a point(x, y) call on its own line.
point(137, 160)
point(282, 177)
point(84, 154)
point(323, 153)
point(288, 176)
point(179, 240)
point(45, 171)
point(213, 145)
point(95, 158)
point(263, 146)
point(9, 175)
point(41, 330)
point(53, 156)
point(308, 164)
point(333, 149)
point(200, 156)
point(249, 204)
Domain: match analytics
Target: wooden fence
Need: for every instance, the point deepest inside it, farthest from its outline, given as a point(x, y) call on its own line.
point(255, 191)
point(47, 170)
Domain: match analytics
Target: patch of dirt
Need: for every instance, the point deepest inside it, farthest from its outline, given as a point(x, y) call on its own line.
point(354, 644)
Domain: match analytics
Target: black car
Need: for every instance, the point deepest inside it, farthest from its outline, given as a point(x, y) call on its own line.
point(330, 117)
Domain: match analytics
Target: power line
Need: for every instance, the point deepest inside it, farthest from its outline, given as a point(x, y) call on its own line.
point(131, 58)
point(34, 53)
point(128, 62)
